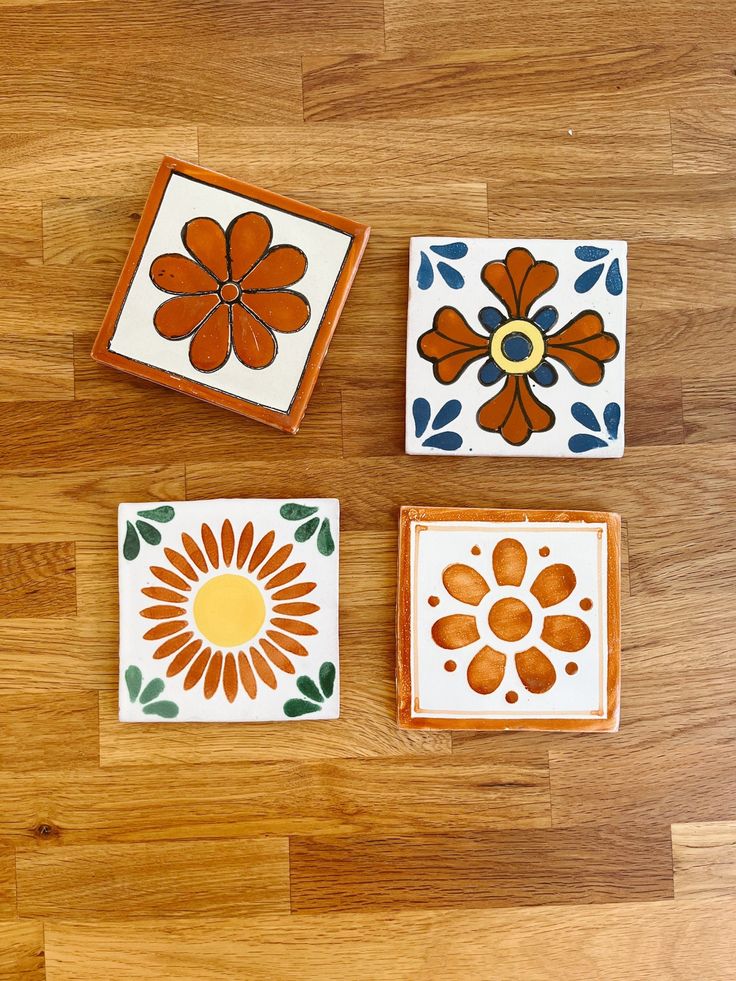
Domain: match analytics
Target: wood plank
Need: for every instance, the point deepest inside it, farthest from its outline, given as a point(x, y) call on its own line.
point(37, 369)
point(505, 868)
point(226, 801)
point(21, 950)
point(58, 655)
point(421, 85)
point(79, 300)
point(704, 859)
point(701, 140)
point(38, 580)
point(22, 236)
point(43, 731)
point(164, 879)
point(7, 883)
point(709, 409)
point(81, 231)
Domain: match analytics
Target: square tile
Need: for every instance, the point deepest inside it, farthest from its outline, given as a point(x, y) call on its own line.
point(230, 293)
point(508, 619)
point(228, 610)
point(516, 348)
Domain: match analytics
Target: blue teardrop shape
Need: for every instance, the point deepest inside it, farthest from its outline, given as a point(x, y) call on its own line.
point(455, 250)
point(451, 276)
point(425, 276)
point(490, 318)
point(545, 318)
point(614, 282)
point(421, 412)
point(589, 253)
point(582, 442)
point(449, 411)
point(444, 441)
point(585, 416)
point(612, 418)
point(490, 373)
point(587, 280)
point(544, 374)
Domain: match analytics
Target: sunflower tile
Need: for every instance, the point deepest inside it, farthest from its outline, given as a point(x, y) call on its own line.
point(508, 619)
point(516, 348)
point(228, 610)
point(230, 293)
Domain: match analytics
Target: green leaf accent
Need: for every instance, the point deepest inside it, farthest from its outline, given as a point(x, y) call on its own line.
point(152, 690)
point(325, 542)
point(295, 512)
point(327, 678)
point(148, 533)
point(163, 514)
point(307, 687)
point(298, 706)
point(167, 710)
point(134, 680)
point(304, 532)
point(131, 545)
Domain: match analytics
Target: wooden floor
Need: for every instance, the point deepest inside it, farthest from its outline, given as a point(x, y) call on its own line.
point(351, 850)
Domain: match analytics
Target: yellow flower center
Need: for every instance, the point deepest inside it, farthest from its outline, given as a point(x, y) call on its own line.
point(229, 610)
point(517, 347)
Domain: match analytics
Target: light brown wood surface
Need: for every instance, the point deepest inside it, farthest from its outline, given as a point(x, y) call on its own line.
point(350, 849)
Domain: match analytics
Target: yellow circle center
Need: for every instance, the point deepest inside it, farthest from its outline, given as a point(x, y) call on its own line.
point(229, 610)
point(531, 333)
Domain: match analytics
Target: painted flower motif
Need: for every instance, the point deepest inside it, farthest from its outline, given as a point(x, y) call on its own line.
point(314, 693)
point(520, 348)
point(438, 439)
point(229, 612)
point(510, 619)
point(452, 251)
point(589, 277)
point(231, 295)
point(582, 413)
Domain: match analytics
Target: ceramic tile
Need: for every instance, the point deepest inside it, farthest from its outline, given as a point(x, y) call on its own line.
point(230, 293)
point(516, 348)
point(228, 610)
point(508, 619)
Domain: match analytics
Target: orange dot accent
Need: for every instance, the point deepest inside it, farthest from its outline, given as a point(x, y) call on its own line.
point(571, 667)
point(229, 292)
point(433, 600)
point(544, 552)
point(586, 604)
point(511, 697)
point(510, 619)
point(475, 550)
point(450, 665)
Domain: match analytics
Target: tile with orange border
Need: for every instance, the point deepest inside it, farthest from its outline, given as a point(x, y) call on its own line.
point(508, 619)
point(230, 293)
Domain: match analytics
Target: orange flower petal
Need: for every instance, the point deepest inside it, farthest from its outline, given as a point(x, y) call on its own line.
point(246, 675)
point(486, 670)
point(553, 584)
point(179, 274)
point(227, 537)
point(277, 657)
point(180, 563)
point(230, 678)
point(583, 346)
point(296, 609)
point(194, 552)
point(183, 658)
point(249, 236)
point(197, 669)
point(565, 633)
point(286, 575)
point(294, 626)
point(205, 240)
point(261, 551)
point(210, 347)
point(509, 562)
point(464, 583)
point(170, 578)
point(515, 412)
point(496, 277)
point(536, 671)
point(282, 266)
point(244, 545)
point(295, 591)
point(263, 668)
point(539, 280)
point(280, 310)
point(457, 630)
point(172, 645)
point(451, 345)
point(164, 595)
point(276, 561)
point(165, 629)
point(288, 643)
point(212, 678)
point(210, 546)
point(254, 343)
point(181, 315)
point(162, 612)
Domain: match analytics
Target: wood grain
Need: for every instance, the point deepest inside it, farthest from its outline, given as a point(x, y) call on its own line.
point(43, 732)
point(38, 580)
point(21, 950)
point(704, 858)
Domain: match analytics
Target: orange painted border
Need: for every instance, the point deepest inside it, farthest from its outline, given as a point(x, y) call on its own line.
point(287, 421)
point(607, 723)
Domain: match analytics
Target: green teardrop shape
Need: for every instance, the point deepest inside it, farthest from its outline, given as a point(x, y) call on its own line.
point(295, 512)
point(327, 678)
point(325, 542)
point(304, 532)
point(134, 680)
point(148, 533)
point(163, 514)
point(298, 706)
point(131, 545)
point(152, 690)
point(307, 687)
point(167, 710)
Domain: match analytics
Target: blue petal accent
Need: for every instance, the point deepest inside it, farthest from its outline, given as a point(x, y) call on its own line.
point(449, 411)
point(490, 318)
point(421, 412)
point(545, 318)
point(589, 253)
point(451, 276)
point(490, 373)
point(614, 282)
point(425, 276)
point(582, 442)
point(544, 374)
point(587, 280)
point(612, 418)
point(444, 441)
point(455, 250)
point(585, 416)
